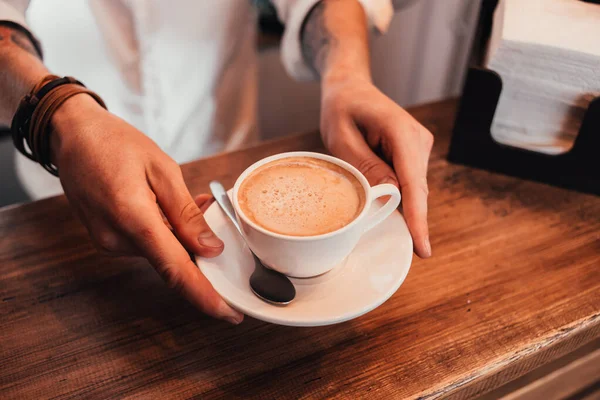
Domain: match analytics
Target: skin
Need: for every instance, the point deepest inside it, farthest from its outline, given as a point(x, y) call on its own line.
point(131, 195)
point(127, 192)
point(359, 123)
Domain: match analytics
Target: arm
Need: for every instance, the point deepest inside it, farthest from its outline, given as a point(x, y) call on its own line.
point(118, 181)
point(334, 39)
point(20, 69)
point(358, 122)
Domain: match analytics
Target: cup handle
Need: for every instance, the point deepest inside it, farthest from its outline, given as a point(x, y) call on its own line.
point(392, 204)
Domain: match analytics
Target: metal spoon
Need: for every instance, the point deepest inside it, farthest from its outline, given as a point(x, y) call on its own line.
point(270, 286)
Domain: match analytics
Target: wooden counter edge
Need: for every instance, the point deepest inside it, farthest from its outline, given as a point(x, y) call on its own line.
point(521, 362)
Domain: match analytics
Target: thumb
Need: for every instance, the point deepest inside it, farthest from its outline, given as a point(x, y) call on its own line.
point(203, 201)
point(352, 147)
point(184, 215)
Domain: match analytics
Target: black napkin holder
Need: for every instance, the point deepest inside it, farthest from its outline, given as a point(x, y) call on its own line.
point(472, 143)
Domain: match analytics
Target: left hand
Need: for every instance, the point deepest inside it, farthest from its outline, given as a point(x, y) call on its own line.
point(367, 129)
point(120, 184)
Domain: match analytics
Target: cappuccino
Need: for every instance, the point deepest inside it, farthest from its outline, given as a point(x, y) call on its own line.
point(301, 196)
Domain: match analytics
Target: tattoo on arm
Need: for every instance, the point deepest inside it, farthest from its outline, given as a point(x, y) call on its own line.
point(11, 36)
point(21, 40)
point(316, 38)
point(21, 67)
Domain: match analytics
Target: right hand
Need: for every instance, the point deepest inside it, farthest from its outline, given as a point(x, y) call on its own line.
point(118, 181)
point(363, 126)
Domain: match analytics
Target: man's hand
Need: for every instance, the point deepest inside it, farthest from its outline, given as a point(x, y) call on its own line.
point(359, 123)
point(364, 127)
point(121, 184)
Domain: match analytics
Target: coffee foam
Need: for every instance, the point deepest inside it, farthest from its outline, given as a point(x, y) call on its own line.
point(301, 196)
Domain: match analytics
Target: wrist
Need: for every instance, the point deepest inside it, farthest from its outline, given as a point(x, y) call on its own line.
point(346, 64)
point(342, 73)
point(340, 79)
point(20, 72)
point(67, 118)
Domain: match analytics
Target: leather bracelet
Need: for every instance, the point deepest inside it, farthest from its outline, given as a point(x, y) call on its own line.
point(31, 124)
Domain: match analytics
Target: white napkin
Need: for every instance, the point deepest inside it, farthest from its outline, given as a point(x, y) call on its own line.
point(548, 55)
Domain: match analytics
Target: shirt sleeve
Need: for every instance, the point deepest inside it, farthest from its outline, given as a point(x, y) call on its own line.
point(12, 12)
point(292, 14)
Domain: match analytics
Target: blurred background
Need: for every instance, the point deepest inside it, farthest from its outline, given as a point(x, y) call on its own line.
point(422, 58)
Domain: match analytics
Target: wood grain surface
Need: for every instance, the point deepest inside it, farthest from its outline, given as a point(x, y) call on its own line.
point(514, 282)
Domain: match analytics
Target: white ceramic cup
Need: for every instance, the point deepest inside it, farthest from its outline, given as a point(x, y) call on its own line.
point(307, 256)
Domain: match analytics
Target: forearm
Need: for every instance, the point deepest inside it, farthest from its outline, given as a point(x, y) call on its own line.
point(20, 69)
point(335, 40)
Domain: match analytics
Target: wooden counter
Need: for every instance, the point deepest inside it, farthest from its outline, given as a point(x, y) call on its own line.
point(514, 283)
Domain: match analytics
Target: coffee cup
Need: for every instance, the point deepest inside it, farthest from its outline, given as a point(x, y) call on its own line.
point(309, 255)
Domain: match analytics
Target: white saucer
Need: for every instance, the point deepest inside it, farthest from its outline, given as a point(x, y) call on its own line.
point(369, 276)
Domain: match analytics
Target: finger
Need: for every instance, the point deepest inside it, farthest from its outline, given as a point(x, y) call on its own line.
point(414, 206)
point(203, 201)
point(351, 147)
point(409, 161)
point(184, 215)
point(410, 145)
point(427, 140)
point(173, 264)
point(164, 218)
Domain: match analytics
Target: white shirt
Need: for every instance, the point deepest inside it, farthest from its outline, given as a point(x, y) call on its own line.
point(183, 72)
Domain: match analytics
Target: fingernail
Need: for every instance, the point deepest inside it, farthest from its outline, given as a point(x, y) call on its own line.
point(427, 246)
point(233, 321)
point(207, 238)
point(230, 315)
point(388, 179)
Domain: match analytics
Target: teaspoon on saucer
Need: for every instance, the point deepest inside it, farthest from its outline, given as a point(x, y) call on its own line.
point(270, 286)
